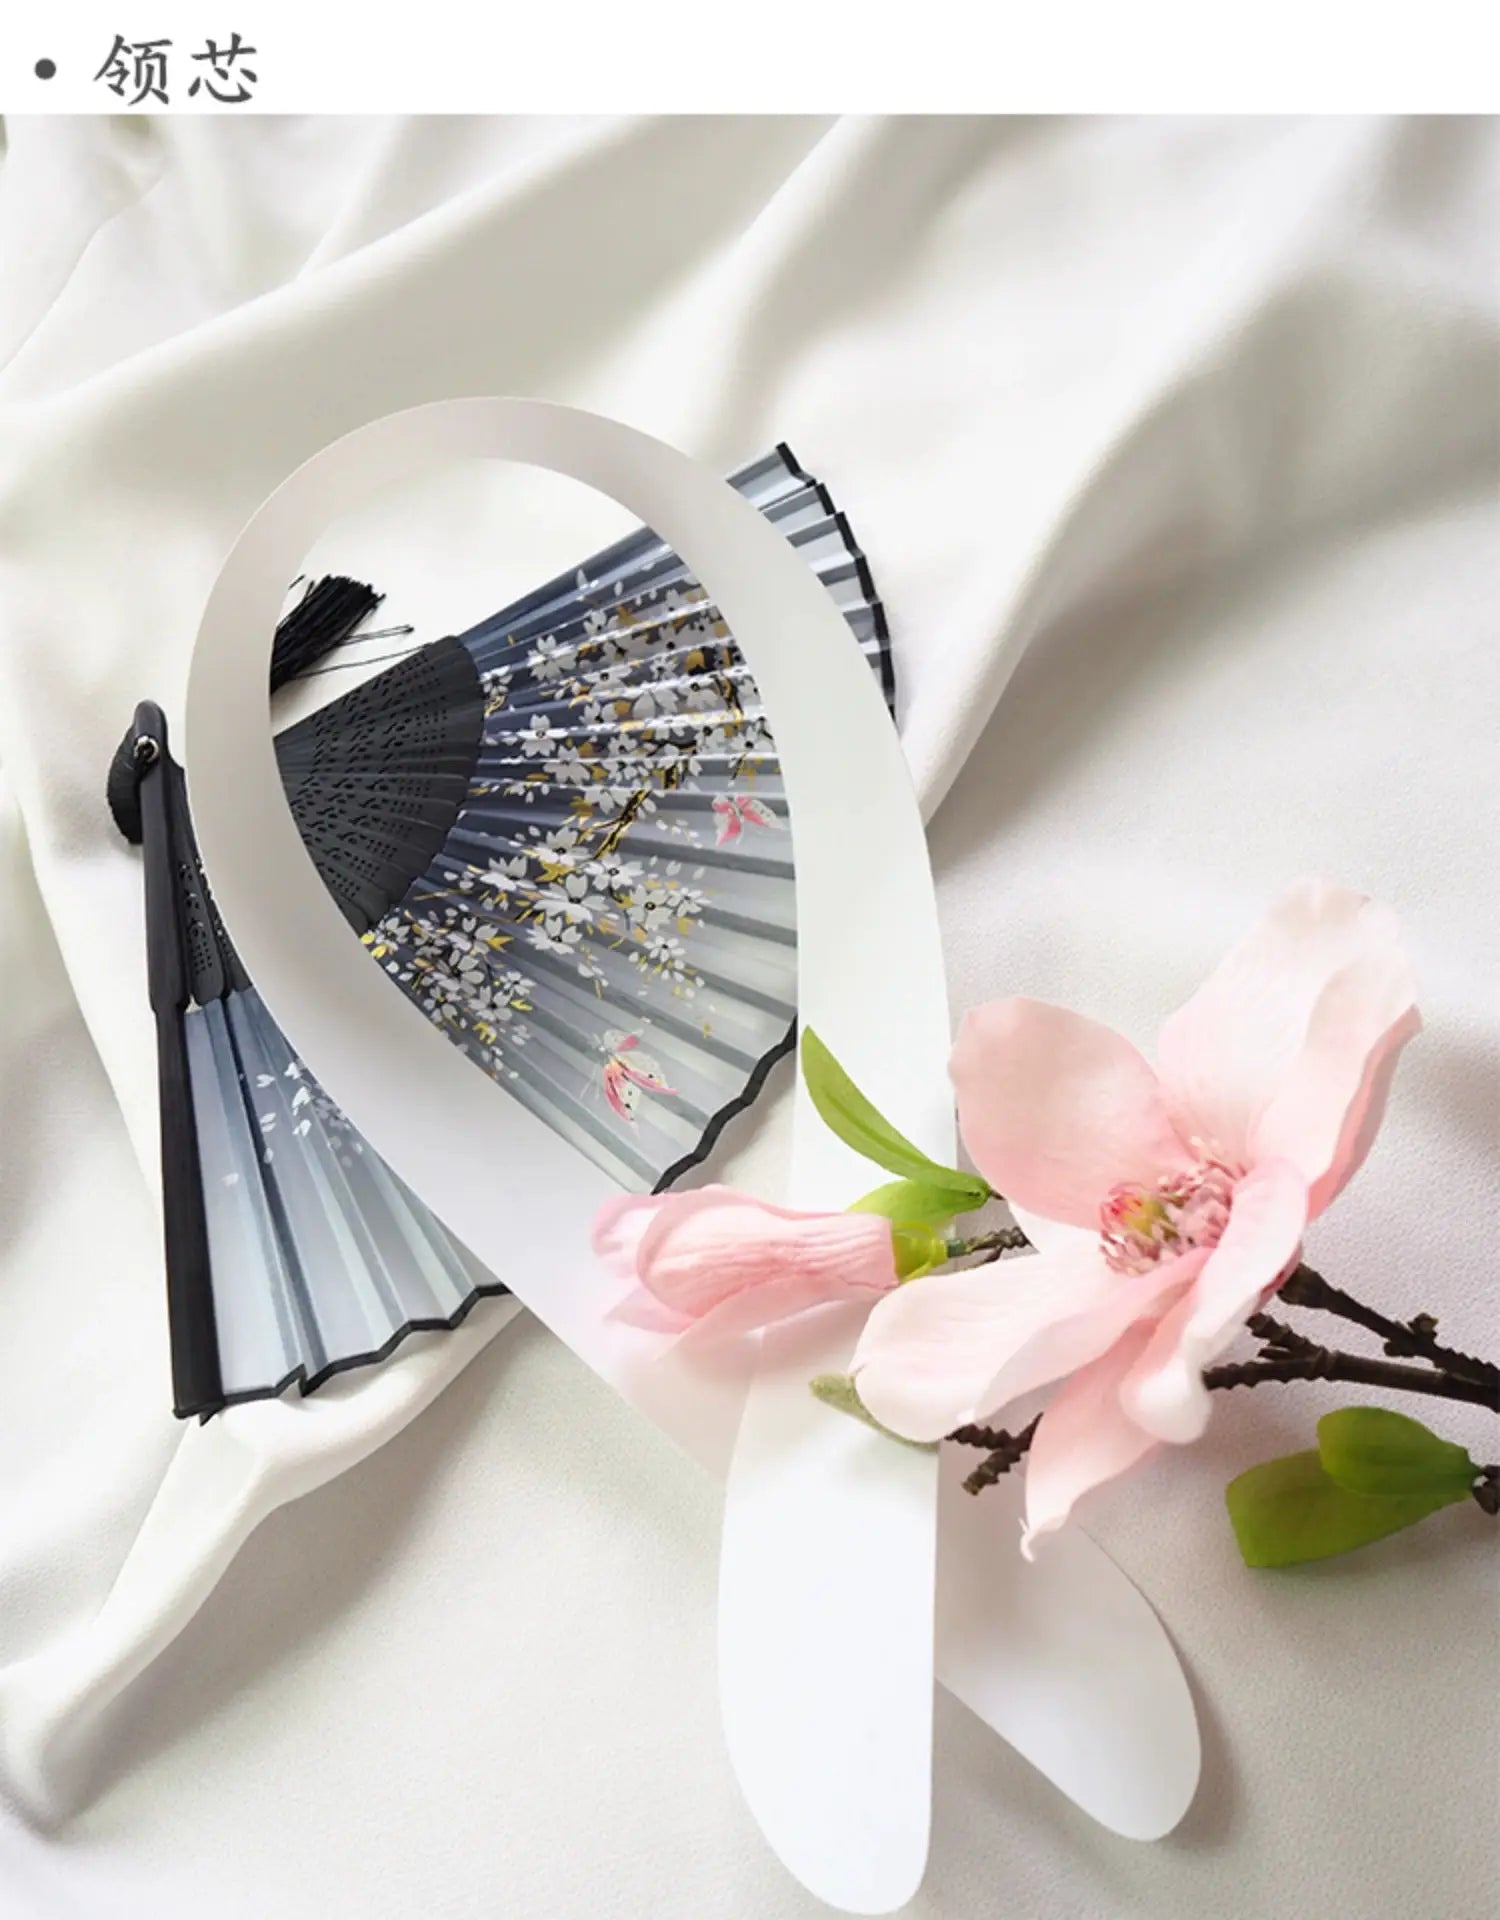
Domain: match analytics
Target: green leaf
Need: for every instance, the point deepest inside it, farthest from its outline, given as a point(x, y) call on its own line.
point(1371, 1450)
point(1289, 1510)
point(856, 1121)
point(846, 1112)
point(912, 1200)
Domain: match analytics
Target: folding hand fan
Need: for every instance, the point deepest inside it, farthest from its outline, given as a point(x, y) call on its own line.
point(562, 835)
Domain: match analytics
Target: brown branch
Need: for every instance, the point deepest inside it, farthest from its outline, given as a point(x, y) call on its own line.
point(1322, 1364)
point(1009, 1452)
point(978, 1436)
point(990, 1245)
point(1413, 1338)
point(1287, 1356)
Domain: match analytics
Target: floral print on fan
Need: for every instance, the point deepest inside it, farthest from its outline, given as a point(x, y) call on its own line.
point(302, 1105)
point(736, 811)
point(600, 729)
point(439, 957)
point(626, 1071)
point(617, 864)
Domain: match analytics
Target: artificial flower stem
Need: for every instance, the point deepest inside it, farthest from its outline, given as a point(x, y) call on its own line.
point(1305, 1288)
point(1002, 1240)
point(1279, 1343)
point(1011, 1448)
point(1323, 1364)
point(1290, 1357)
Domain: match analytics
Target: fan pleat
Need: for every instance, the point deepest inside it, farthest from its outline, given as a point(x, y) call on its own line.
point(586, 878)
point(321, 1258)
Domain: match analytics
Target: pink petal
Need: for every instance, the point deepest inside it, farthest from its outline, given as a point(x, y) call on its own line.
point(1165, 1393)
point(704, 1247)
point(1328, 1110)
point(930, 1350)
point(1074, 1341)
point(1226, 1055)
point(641, 1309)
point(1085, 1438)
point(760, 1306)
point(1056, 1109)
point(619, 1226)
point(1364, 1115)
point(1044, 1234)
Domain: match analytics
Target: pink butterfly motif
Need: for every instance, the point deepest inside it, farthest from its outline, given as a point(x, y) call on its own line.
point(623, 1079)
point(736, 811)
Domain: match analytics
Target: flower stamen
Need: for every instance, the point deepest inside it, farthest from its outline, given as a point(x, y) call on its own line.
point(1141, 1224)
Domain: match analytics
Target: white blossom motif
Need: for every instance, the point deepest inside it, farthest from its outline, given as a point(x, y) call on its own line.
point(307, 1107)
point(617, 888)
point(627, 730)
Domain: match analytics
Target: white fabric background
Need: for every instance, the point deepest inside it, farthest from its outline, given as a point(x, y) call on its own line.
point(1191, 427)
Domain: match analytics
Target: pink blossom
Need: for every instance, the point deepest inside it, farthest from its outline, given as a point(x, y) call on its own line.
point(1166, 1203)
point(726, 1260)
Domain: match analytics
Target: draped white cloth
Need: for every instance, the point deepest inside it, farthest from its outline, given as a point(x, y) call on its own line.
point(1179, 434)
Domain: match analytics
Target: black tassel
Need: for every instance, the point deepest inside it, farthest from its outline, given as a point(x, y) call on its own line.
point(322, 619)
point(328, 612)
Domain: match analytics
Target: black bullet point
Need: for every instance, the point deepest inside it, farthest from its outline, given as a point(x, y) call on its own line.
point(45, 69)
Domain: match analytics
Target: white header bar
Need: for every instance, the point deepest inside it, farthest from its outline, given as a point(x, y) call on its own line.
point(783, 56)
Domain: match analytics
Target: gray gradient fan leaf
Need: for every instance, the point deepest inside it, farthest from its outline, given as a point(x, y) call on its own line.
point(562, 834)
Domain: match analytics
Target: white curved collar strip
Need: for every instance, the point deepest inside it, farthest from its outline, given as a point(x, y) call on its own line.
point(817, 1690)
